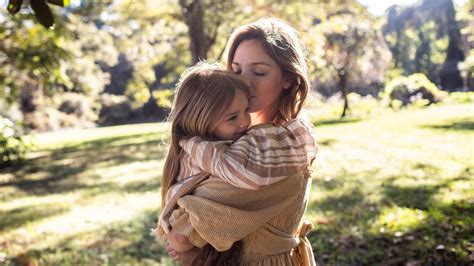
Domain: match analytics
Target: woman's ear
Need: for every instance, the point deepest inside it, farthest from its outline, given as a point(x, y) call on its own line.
point(287, 83)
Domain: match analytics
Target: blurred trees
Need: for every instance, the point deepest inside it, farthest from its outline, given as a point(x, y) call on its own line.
point(354, 50)
point(115, 61)
point(426, 38)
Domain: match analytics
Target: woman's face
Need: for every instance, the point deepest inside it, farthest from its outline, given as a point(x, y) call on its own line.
point(264, 77)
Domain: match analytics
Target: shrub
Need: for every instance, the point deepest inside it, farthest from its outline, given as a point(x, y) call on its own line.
point(164, 98)
point(116, 109)
point(77, 104)
point(415, 89)
point(77, 110)
point(13, 145)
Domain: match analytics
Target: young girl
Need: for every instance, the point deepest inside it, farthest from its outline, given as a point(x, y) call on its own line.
point(210, 121)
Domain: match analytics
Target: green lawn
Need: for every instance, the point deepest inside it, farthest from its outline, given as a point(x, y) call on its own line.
point(387, 189)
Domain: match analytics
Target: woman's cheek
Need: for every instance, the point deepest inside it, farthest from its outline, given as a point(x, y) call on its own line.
point(253, 102)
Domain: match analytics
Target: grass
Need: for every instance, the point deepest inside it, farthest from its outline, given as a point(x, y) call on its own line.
point(390, 188)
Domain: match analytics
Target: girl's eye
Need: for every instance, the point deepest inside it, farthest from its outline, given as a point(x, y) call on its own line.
point(259, 74)
point(232, 118)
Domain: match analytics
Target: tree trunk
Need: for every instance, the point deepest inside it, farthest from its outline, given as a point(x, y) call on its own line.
point(193, 14)
point(343, 85)
point(450, 74)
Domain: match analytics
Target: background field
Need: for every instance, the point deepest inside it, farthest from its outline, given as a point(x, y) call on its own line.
point(388, 188)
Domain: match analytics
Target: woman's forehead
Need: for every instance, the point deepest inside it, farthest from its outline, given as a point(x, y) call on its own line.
point(251, 52)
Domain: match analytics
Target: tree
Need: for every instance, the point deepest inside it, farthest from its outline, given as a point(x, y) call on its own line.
point(425, 38)
point(354, 49)
point(203, 19)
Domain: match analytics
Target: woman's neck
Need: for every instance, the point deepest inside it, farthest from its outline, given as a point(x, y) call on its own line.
point(264, 116)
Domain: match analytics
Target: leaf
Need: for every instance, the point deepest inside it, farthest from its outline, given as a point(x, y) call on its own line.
point(43, 13)
point(59, 2)
point(14, 6)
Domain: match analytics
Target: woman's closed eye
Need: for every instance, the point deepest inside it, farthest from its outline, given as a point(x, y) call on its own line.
point(260, 74)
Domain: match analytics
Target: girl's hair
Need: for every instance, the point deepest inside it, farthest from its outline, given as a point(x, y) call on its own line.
point(202, 94)
point(281, 44)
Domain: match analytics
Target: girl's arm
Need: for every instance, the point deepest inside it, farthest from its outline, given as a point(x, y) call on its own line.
point(265, 155)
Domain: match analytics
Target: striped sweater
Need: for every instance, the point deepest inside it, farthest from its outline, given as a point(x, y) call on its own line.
point(265, 155)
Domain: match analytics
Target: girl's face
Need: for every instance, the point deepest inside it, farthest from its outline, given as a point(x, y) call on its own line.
point(264, 77)
point(236, 120)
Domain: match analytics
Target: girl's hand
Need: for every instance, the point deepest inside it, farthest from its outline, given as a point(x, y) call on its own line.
point(178, 242)
point(185, 258)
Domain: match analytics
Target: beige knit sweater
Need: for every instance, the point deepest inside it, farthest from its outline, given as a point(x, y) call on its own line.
point(251, 195)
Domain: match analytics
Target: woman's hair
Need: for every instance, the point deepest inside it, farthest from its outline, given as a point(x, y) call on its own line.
point(281, 44)
point(202, 94)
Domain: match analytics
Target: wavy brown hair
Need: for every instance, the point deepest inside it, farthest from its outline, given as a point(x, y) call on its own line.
point(281, 44)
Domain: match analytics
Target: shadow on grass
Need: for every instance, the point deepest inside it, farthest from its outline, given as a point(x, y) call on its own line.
point(20, 216)
point(57, 172)
point(319, 123)
point(125, 243)
point(459, 125)
point(444, 237)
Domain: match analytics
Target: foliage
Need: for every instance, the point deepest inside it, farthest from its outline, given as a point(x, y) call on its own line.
point(466, 19)
point(139, 49)
point(164, 98)
point(40, 8)
point(415, 89)
point(425, 38)
point(13, 144)
point(354, 50)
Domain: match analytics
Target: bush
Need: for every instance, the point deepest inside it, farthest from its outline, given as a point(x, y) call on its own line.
point(13, 145)
point(116, 109)
point(77, 111)
point(415, 89)
point(78, 105)
point(44, 119)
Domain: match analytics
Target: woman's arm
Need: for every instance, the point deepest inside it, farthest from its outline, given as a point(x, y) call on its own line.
point(220, 214)
point(265, 155)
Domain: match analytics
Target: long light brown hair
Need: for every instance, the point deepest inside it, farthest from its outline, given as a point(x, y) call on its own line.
point(281, 44)
point(201, 98)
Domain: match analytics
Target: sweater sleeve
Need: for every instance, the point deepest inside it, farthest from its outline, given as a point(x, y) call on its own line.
point(221, 214)
point(265, 155)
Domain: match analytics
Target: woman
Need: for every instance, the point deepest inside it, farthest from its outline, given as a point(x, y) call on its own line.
point(268, 56)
